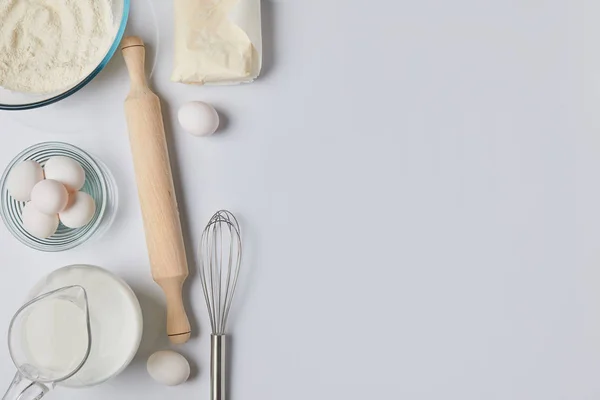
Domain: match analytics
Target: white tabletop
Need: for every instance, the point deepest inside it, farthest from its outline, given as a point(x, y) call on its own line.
point(417, 183)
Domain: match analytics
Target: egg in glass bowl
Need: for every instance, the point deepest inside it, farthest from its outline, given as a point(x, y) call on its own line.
point(98, 185)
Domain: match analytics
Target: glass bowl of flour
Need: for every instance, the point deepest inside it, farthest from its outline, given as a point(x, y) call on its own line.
point(50, 49)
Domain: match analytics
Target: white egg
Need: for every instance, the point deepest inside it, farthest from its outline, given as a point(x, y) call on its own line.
point(79, 211)
point(67, 171)
point(198, 118)
point(22, 178)
point(37, 223)
point(49, 196)
point(168, 367)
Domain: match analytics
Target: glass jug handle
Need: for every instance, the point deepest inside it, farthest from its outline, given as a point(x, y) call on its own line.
point(22, 388)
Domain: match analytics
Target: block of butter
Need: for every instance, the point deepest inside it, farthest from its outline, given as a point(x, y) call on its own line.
point(217, 41)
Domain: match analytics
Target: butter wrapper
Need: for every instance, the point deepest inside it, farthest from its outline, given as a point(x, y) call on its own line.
point(217, 41)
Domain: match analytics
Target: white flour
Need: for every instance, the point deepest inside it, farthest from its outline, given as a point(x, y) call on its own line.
point(49, 45)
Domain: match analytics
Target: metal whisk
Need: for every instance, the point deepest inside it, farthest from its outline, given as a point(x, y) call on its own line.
point(220, 259)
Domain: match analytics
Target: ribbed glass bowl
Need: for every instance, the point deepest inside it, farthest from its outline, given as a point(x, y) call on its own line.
point(99, 183)
point(11, 100)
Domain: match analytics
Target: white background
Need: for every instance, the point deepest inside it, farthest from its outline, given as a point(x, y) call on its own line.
point(419, 187)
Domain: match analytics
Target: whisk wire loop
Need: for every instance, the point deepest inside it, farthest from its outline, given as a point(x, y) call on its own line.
point(220, 260)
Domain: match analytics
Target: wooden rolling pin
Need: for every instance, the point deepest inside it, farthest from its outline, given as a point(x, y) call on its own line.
point(155, 188)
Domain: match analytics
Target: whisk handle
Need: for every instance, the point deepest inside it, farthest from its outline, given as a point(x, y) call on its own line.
point(217, 367)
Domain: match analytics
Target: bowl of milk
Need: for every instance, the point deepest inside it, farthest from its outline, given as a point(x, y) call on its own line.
point(82, 319)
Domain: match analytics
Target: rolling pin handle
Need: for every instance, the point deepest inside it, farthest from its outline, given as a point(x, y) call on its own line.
point(134, 52)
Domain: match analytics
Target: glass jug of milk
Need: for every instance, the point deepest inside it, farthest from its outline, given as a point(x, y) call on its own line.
point(82, 327)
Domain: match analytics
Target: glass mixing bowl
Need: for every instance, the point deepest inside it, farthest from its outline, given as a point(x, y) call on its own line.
point(99, 183)
point(11, 100)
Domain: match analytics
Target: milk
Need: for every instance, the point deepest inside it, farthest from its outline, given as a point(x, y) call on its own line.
point(115, 325)
point(54, 336)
